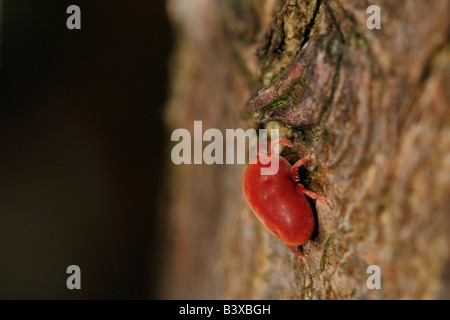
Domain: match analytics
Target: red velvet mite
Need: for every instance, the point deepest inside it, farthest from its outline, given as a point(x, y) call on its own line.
point(279, 201)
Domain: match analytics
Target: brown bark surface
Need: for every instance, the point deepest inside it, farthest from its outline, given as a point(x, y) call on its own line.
point(370, 106)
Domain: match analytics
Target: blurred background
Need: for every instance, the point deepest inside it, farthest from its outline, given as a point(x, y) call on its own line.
point(81, 147)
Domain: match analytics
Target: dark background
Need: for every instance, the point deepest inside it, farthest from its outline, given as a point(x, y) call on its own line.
point(81, 144)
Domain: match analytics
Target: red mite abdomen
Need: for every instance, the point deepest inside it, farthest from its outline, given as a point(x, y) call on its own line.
point(277, 204)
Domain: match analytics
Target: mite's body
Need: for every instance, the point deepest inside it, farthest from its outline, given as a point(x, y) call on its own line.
point(279, 200)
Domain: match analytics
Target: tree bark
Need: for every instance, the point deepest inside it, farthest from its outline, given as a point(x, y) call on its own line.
point(372, 109)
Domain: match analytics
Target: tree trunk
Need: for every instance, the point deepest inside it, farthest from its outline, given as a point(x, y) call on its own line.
point(372, 109)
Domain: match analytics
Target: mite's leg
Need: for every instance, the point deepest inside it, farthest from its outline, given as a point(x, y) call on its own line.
point(298, 164)
point(310, 194)
point(296, 178)
point(263, 147)
point(297, 253)
point(275, 143)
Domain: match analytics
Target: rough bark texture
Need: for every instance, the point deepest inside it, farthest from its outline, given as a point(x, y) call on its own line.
point(370, 106)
